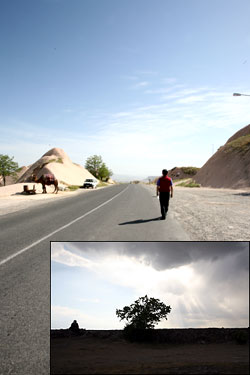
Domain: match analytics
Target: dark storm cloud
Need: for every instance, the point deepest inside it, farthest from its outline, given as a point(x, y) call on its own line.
point(169, 255)
point(166, 255)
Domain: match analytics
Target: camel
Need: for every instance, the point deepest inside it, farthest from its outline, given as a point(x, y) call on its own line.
point(46, 179)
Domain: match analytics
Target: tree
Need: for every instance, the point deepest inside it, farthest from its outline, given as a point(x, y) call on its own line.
point(104, 172)
point(95, 165)
point(8, 167)
point(144, 313)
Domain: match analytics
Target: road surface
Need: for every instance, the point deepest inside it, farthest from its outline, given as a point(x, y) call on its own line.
point(118, 213)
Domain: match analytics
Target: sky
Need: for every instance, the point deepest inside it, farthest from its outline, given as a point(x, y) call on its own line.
point(146, 84)
point(205, 283)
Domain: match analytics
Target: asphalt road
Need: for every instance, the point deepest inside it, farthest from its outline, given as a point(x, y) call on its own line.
point(118, 213)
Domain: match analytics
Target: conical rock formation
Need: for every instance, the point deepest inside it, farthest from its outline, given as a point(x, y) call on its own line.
point(57, 162)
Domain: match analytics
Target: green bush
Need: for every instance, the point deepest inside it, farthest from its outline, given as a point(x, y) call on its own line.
point(189, 184)
point(190, 170)
point(73, 187)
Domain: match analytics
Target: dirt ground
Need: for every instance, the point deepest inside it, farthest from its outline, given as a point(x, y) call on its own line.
point(12, 199)
point(209, 214)
point(213, 214)
point(85, 355)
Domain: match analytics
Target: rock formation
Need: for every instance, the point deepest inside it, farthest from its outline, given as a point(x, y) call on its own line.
point(74, 327)
point(57, 162)
point(229, 167)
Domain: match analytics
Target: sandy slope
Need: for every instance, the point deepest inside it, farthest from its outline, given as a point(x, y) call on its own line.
point(57, 162)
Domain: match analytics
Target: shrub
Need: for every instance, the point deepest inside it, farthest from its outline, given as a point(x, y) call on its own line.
point(190, 170)
point(73, 187)
point(241, 144)
point(189, 184)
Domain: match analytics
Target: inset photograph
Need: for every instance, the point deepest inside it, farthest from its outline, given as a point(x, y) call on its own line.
point(149, 308)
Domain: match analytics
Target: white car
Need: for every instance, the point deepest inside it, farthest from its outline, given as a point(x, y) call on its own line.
point(90, 182)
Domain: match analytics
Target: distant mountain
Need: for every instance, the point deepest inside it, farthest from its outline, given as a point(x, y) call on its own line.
point(229, 167)
point(126, 178)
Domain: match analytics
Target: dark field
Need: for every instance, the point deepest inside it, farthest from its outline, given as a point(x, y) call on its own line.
point(90, 354)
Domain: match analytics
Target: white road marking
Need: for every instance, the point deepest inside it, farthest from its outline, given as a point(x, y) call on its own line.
point(59, 229)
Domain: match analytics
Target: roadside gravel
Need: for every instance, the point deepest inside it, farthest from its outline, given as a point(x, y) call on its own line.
point(212, 214)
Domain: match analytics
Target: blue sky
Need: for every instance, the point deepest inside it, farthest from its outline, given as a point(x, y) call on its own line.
point(146, 84)
point(205, 283)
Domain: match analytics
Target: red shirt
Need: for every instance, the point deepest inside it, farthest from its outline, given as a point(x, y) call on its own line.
point(164, 183)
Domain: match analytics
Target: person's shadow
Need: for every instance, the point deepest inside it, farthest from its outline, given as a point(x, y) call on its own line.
point(140, 221)
point(243, 194)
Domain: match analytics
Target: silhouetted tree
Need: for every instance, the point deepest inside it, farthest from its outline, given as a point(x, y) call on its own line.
point(144, 313)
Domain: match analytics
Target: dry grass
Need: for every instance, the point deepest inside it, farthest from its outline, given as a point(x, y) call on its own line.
point(241, 144)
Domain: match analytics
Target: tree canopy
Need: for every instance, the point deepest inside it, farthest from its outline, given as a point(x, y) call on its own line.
point(144, 313)
point(95, 165)
point(8, 167)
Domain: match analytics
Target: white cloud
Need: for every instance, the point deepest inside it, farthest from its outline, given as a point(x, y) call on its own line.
point(178, 125)
point(61, 255)
point(140, 84)
point(191, 99)
point(122, 114)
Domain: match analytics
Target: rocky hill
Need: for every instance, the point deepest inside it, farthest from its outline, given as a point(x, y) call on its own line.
point(57, 162)
point(229, 167)
point(177, 173)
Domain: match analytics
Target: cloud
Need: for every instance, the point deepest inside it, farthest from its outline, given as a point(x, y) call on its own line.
point(167, 255)
point(61, 254)
point(121, 114)
point(173, 116)
point(205, 283)
point(140, 84)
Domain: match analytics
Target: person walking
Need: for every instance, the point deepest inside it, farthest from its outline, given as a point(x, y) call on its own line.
point(164, 189)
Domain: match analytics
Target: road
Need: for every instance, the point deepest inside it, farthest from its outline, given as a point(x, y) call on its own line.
point(118, 213)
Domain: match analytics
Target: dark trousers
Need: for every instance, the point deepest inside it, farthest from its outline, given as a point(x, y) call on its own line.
point(164, 201)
